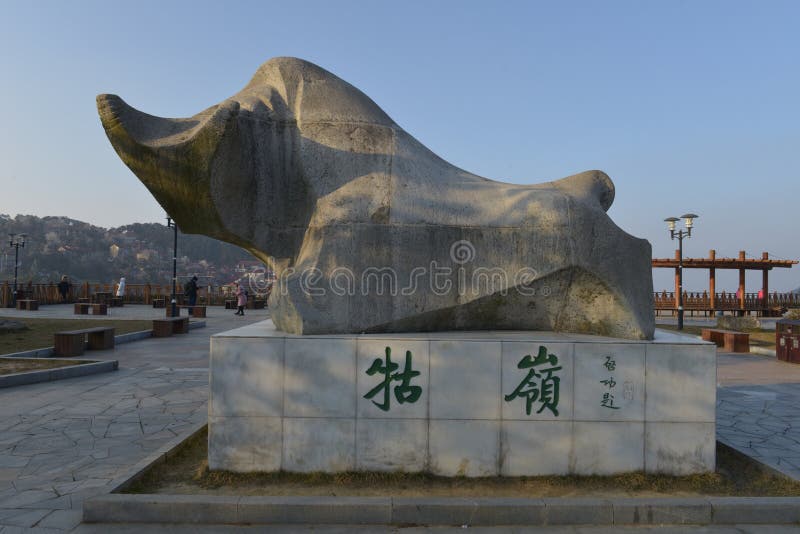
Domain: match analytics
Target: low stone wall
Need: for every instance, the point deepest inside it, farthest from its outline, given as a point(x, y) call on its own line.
point(461, 403)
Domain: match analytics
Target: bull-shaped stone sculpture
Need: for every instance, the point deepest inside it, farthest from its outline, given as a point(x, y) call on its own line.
point(369, 231)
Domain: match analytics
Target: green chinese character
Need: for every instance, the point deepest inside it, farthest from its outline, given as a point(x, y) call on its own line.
point(540, 384)
point(403, 392)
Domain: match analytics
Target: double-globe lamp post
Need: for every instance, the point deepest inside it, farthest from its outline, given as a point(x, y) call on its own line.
point(679, 235)
point(172, 224)
point(16, 241)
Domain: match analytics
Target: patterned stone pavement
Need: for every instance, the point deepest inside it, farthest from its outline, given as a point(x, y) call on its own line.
point(758, 409)
point(65, 441)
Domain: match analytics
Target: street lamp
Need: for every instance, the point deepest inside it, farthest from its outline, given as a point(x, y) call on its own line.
point(171, 224)
point(16, 241)
point(680, 234)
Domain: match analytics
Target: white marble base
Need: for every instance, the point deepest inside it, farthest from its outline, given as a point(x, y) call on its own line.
point(310, 403)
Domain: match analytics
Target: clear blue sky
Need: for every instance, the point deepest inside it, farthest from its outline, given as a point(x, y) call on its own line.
point(687, 105)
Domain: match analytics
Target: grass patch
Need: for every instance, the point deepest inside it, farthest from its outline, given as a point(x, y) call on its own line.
point(186, 472)
point(10, 366)
point(40, 331)
point(758, 338)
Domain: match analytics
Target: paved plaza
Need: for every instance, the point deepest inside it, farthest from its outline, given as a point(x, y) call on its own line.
point(63, 442)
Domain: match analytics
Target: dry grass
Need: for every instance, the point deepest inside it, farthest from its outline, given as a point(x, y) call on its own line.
point(758, 338)
point(187, 473)
point(21, 365)
point(40, 331)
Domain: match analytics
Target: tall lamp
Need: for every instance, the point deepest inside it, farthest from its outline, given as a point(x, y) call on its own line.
point(679, 235)
point(17, 241)
point(171, 224)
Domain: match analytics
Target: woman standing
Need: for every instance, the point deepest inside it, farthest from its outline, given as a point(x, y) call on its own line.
point(241, 299)
point(121, 287)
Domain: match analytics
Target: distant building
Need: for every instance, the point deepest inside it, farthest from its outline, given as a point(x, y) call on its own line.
point(146, 255)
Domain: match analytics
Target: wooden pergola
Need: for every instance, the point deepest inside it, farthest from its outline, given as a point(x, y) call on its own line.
point(712, 263)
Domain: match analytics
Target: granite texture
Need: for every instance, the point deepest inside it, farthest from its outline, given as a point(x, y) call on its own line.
point(369, 231)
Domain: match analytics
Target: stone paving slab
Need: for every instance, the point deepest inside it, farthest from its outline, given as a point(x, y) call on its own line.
point(758, 410)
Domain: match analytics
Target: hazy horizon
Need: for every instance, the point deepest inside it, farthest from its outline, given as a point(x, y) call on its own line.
point(689, 107)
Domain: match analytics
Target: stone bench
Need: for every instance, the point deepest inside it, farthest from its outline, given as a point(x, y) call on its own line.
point(82, 308)
point(170, 325)
point(28, 304)
point(729, 340)
point(73, 342)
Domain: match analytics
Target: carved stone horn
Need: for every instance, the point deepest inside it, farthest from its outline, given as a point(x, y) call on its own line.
point(172, 157)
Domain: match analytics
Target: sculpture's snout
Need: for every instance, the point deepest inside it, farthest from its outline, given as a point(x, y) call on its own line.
point(172, 157)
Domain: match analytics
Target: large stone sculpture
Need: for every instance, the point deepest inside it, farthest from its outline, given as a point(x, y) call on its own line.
point(369, 231)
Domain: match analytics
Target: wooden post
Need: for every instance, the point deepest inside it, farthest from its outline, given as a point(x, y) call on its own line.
point(712, 281)
point(741, 283)
point(765, 285)
point(5, 295)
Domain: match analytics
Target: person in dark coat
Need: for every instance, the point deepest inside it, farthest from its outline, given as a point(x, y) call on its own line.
point(190, 291)
point(63, 288)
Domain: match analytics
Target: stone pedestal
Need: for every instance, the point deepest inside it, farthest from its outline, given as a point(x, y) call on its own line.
point(461, 403)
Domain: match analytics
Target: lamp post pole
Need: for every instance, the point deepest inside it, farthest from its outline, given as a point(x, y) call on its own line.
point(171, 223)
point(679, 235)
point(16, 241)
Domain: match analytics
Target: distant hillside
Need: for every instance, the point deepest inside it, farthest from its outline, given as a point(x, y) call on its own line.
point(140, 252)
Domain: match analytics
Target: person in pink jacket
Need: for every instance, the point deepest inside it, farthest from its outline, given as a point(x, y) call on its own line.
point(241, 299)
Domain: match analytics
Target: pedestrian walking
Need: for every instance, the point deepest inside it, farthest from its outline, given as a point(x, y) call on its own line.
point(241, 299)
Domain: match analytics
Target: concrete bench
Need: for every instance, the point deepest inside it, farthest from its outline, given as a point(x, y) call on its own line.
point(170, 325)
point(28, 304)
point(729, 340)
point(82, 308)
point(73, 342)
